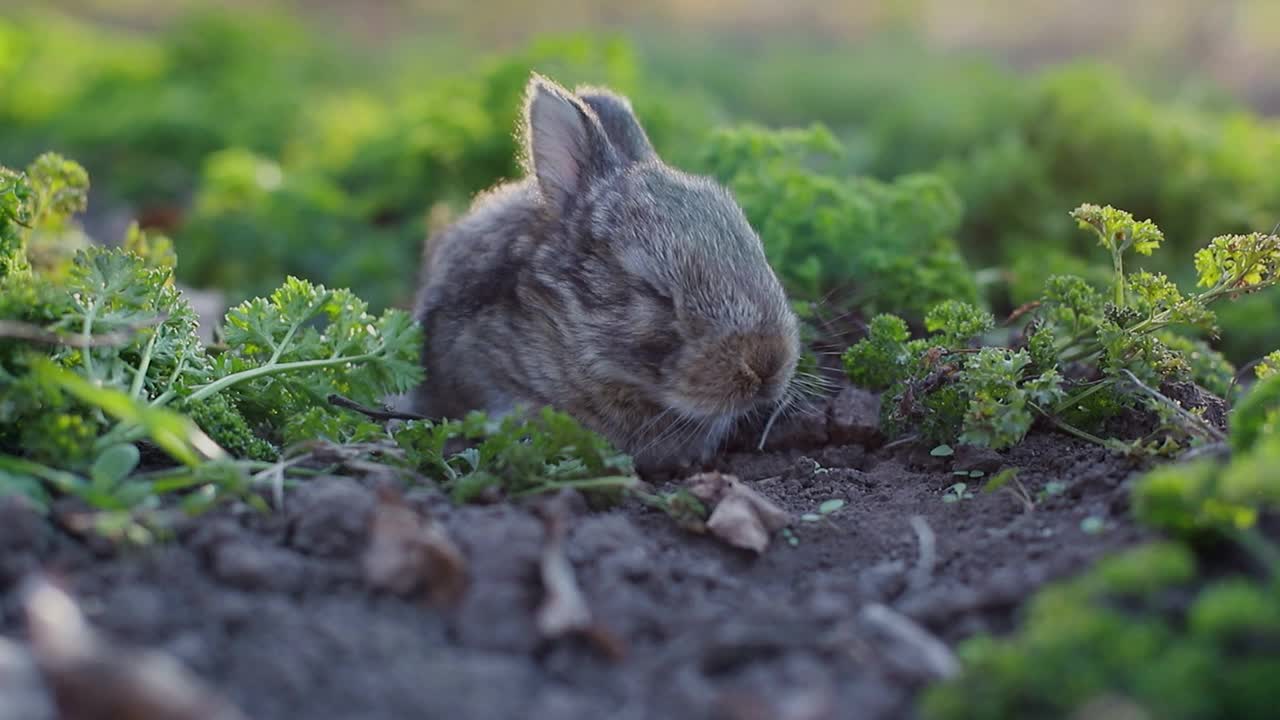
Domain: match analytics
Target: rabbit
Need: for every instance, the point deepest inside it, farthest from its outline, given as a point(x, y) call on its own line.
point(608, 285)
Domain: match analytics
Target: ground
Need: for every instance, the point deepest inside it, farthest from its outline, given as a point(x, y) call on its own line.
point(274, 611)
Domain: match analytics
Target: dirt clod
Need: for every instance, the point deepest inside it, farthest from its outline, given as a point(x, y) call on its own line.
point(855, 418)
point(408, 551)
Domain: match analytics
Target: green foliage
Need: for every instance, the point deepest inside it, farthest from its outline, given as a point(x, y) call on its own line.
point(290, 352)
point(1001, 397)
point(368, 143)
point(517, 455)
point(1109, 633)
point(1270, 365)
point(891, 243)
point(882, 358)
point(1147, 625)
point(1208, 368)
point(99, 352)
point(1081, 360)
point(1257, 415)
point(346, 200)
point(956, 323)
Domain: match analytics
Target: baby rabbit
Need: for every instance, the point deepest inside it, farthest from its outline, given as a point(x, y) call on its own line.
point(608, 285)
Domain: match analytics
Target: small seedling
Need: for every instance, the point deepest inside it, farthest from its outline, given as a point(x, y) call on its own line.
point(1093, 525)
point(956, 493)
point(969, 473)
point(830, 506)
point(826, 508)
point(1007, 479)
point(942, 451)
point(1053, 488)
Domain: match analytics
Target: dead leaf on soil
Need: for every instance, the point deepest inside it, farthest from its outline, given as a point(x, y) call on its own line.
point(408, 551)
point(564, 608)
point(92, 679)
point(742, 517)
point(909, 646)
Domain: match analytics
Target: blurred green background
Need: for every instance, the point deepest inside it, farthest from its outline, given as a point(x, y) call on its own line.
point(892, 154)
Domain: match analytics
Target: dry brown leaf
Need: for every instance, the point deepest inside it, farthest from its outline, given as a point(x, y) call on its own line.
point(408, 551)
point(564, 609)
point(735, 521)
point(92, 679)
point(742, 517)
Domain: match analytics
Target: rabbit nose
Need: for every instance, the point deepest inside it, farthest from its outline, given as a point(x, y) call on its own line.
point(765, 366)
point(750, 377)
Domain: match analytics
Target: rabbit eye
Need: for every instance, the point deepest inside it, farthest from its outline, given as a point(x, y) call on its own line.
point(654, 350)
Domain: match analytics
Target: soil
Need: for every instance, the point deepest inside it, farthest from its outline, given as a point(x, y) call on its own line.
point(274, 612)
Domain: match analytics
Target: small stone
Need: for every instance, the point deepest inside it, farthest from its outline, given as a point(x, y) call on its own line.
point(973, 457)
point(330, 518)
point(855, 418)
point(251, 567)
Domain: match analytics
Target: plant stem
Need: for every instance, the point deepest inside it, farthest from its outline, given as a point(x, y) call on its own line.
point(1068, 428)
point(140, 375)
point(293, 329)
point(1075, 399)
point(271, 368)
point(1196, 422)
point(600, 483)
point(1117, 261)
point(86, 336)
point(163, 398)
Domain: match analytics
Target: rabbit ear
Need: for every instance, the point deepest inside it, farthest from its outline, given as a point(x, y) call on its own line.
point(566, 146)
point(619, 122)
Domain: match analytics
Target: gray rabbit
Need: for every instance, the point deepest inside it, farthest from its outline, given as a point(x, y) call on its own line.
point(608, 285)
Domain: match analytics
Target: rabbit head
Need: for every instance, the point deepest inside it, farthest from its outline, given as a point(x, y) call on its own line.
point(671, 293)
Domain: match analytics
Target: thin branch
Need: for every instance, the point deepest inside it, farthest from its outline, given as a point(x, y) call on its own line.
point(927, 548)
point(1069, 428)
point(1182, 412)
point(18, 330)
point(371, 413)
point(269, 369)
point(905, 440)
point(1235, 379)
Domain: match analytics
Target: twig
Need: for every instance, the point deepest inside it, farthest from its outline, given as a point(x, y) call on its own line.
point(34, 333)
point(927, 542)
point(275, 475)
point(906, 440)
point(934, 656)
point(1069, 428)
point(1235, 379)
point(1182, 412)
point(380, 415)
point(1215, 448)
point(1021, 310)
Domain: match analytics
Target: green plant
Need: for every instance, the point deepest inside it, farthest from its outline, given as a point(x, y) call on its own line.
point(826, 508)
point(890, 242)
point(515, 455)
point(1147, 625)
point(99, 353)
point(1081, 359)
point(956, 493)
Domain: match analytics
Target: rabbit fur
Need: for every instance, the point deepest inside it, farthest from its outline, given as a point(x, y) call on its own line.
point(606, 284)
